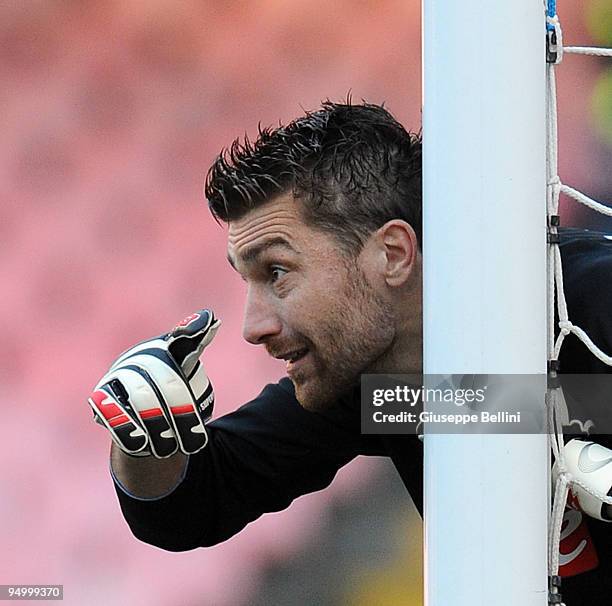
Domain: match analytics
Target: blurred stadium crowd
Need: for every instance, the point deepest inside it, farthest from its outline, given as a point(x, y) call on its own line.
point(111, 112)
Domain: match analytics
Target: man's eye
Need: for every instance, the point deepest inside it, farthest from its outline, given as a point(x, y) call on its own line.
point(276, 273)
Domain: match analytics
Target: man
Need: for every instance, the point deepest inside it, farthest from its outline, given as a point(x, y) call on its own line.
point(324, 225)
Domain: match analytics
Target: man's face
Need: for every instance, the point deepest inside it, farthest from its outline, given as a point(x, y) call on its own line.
point(307, 302)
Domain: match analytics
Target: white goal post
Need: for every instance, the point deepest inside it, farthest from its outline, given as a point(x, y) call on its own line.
point(486, 496)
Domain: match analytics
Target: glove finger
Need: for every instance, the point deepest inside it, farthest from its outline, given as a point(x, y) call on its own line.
point(125, 431)
point(187, 340)
point(190, 420)
point(148, 404)
point(210, 334)
point(158, 343)
point(189, 428)
point(176, 402)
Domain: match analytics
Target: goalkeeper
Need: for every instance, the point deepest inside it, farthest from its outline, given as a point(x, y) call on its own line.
point(324, 226)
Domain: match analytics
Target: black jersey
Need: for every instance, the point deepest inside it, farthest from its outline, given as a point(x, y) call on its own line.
point(270, 451)
point(258, 460)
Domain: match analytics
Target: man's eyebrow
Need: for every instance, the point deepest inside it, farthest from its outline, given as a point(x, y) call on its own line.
point(252, 253)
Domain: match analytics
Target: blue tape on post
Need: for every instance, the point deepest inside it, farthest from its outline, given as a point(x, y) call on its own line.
point(551, 11)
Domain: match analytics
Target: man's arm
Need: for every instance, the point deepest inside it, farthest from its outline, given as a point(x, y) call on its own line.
point(147, 477)
point(154, 401)
point(258, 459)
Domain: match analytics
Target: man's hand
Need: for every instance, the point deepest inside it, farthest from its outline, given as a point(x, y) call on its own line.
point(590, 466)
point(156, 396)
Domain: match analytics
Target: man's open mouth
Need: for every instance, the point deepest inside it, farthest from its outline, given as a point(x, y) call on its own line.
point(293, 356)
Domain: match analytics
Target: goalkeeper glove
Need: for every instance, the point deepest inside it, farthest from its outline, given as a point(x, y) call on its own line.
point(590, 466)
point(156, 396)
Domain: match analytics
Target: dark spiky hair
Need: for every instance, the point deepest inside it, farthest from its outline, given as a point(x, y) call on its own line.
point(353, 167)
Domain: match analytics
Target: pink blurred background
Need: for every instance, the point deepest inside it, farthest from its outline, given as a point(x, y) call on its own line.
point(111, 113)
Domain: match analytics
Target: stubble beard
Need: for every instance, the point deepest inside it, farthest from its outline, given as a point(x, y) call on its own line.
point(352, 338)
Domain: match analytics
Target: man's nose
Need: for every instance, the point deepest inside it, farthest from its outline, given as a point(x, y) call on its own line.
point(260, 319)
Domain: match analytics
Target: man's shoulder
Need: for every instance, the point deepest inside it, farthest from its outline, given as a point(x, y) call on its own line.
point(276, 415)
point(275, 404)
point(585, 245)
point(587, 263)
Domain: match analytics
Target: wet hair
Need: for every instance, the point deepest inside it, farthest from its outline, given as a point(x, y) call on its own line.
point(352, 167)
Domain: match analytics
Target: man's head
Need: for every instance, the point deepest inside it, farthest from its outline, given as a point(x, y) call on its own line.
point(324, 222)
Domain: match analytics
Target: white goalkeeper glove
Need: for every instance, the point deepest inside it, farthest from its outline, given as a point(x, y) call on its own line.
point(156, 396)
point(590, 465)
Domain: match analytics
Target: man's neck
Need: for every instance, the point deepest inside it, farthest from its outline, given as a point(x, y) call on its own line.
point(405, 356)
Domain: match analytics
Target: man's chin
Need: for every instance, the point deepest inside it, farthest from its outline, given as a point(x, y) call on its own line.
point(314, 396)
point(310, 396)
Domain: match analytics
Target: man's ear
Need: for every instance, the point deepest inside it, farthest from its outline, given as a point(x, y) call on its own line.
point(398, 247)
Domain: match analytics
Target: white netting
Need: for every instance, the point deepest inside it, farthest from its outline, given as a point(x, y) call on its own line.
point(554, 401)
point(588, 50)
